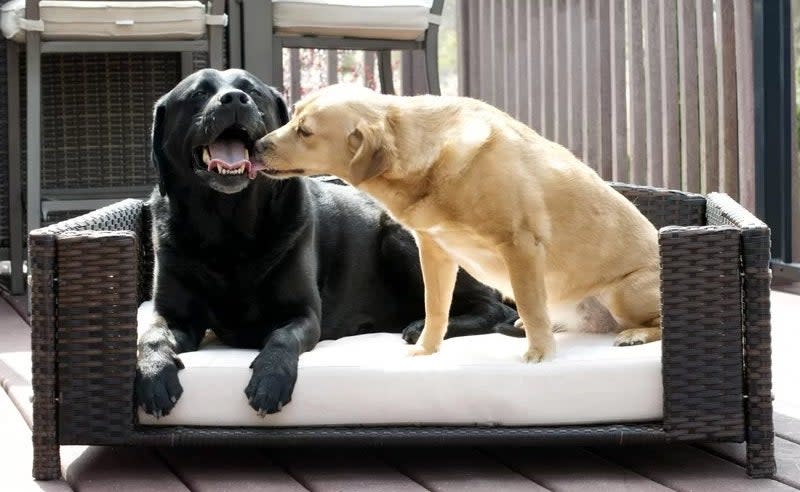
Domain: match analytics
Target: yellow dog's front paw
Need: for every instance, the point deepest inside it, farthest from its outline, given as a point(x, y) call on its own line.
point(637, 336)
point(540, 351)
point(422, 350)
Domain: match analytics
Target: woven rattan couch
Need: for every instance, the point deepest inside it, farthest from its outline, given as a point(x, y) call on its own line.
point(89, 274)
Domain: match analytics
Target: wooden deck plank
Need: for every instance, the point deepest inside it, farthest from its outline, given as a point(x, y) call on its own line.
point(332, 469)
point(239, 469)
point(16, 453)
point(457, 470)
point(572, 469)
point(104, 468)
point(787, 458)
point(682, 467)
point(787, 428)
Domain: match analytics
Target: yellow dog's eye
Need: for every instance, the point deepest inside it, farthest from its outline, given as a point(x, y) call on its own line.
point(303, 131)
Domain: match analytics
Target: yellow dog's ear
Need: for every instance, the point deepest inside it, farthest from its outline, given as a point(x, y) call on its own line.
point(373, 151)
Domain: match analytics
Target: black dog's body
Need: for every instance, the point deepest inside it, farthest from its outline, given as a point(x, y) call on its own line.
point(272, 265)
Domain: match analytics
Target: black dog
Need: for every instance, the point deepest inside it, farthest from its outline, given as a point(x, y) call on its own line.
point(273, 265)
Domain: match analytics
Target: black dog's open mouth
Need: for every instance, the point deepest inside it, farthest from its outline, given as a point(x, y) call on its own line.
point(229, 154)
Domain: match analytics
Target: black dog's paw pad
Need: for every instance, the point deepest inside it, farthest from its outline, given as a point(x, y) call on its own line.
point(158, 389)
point(269, 391)
point(412, 332)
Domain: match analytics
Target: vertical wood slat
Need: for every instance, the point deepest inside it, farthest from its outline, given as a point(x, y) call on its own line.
point(474, 49)
point(575, 61)
point(619, 83)
point(535, 65)
point(546, 53)
point(603, 44)
point(637, 129)
point(510, 77)
point(745, 103)
point(521, 36)
point(690, 130)
point(728, 124)
point(498, 62)
point(463, 36)
point(650, 15)
point(294, 72)
point(707, 100)
point(669, 95)
point(560, 86)
point(333, 66)
point(590, 87)
point(486, 91)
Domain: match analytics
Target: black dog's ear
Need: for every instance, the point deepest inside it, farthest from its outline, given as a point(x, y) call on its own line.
point(157, 152)
point(280, 107)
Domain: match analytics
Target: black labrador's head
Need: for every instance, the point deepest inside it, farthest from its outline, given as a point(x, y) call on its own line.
point(205, 128)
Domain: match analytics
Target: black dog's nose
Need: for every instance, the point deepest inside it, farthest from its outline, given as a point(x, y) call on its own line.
point(235, 97)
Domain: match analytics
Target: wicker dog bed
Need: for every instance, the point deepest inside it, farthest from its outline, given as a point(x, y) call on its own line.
point(90, 274)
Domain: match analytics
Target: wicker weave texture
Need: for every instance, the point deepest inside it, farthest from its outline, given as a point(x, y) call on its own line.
point(666, 207)
point(702, 332)
point(96, 116)
point(4, 203)
point(88, 305)
point(405, 436)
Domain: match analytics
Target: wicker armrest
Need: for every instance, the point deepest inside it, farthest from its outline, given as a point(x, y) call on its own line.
point(85, 286)
point(755, 247)
point(701, 322)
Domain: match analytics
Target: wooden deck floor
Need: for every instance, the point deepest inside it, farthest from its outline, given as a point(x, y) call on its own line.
point(641, 468)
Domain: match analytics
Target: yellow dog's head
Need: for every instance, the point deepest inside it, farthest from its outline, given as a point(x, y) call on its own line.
point(340, 130)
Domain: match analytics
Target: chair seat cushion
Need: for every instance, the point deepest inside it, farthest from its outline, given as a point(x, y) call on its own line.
point(477, 380)
point(377, 19)
point(76, 20)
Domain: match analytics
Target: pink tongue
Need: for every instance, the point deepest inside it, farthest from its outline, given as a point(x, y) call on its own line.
point(230, 152)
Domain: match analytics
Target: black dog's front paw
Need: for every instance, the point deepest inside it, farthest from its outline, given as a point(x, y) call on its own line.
point(271, 385)
point(157, 384)
point(412, 332)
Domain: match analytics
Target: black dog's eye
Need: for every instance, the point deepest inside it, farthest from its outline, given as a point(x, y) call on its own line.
point(256, 92)
point(303, 131)
point(198, 94)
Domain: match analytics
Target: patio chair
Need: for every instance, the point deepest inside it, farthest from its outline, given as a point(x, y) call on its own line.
point(339, 24)
point(60, 26)
point(712, 377)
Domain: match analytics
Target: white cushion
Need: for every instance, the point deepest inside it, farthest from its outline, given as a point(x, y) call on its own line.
point(378, 19)
point(63, 19)
point(370, 380)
